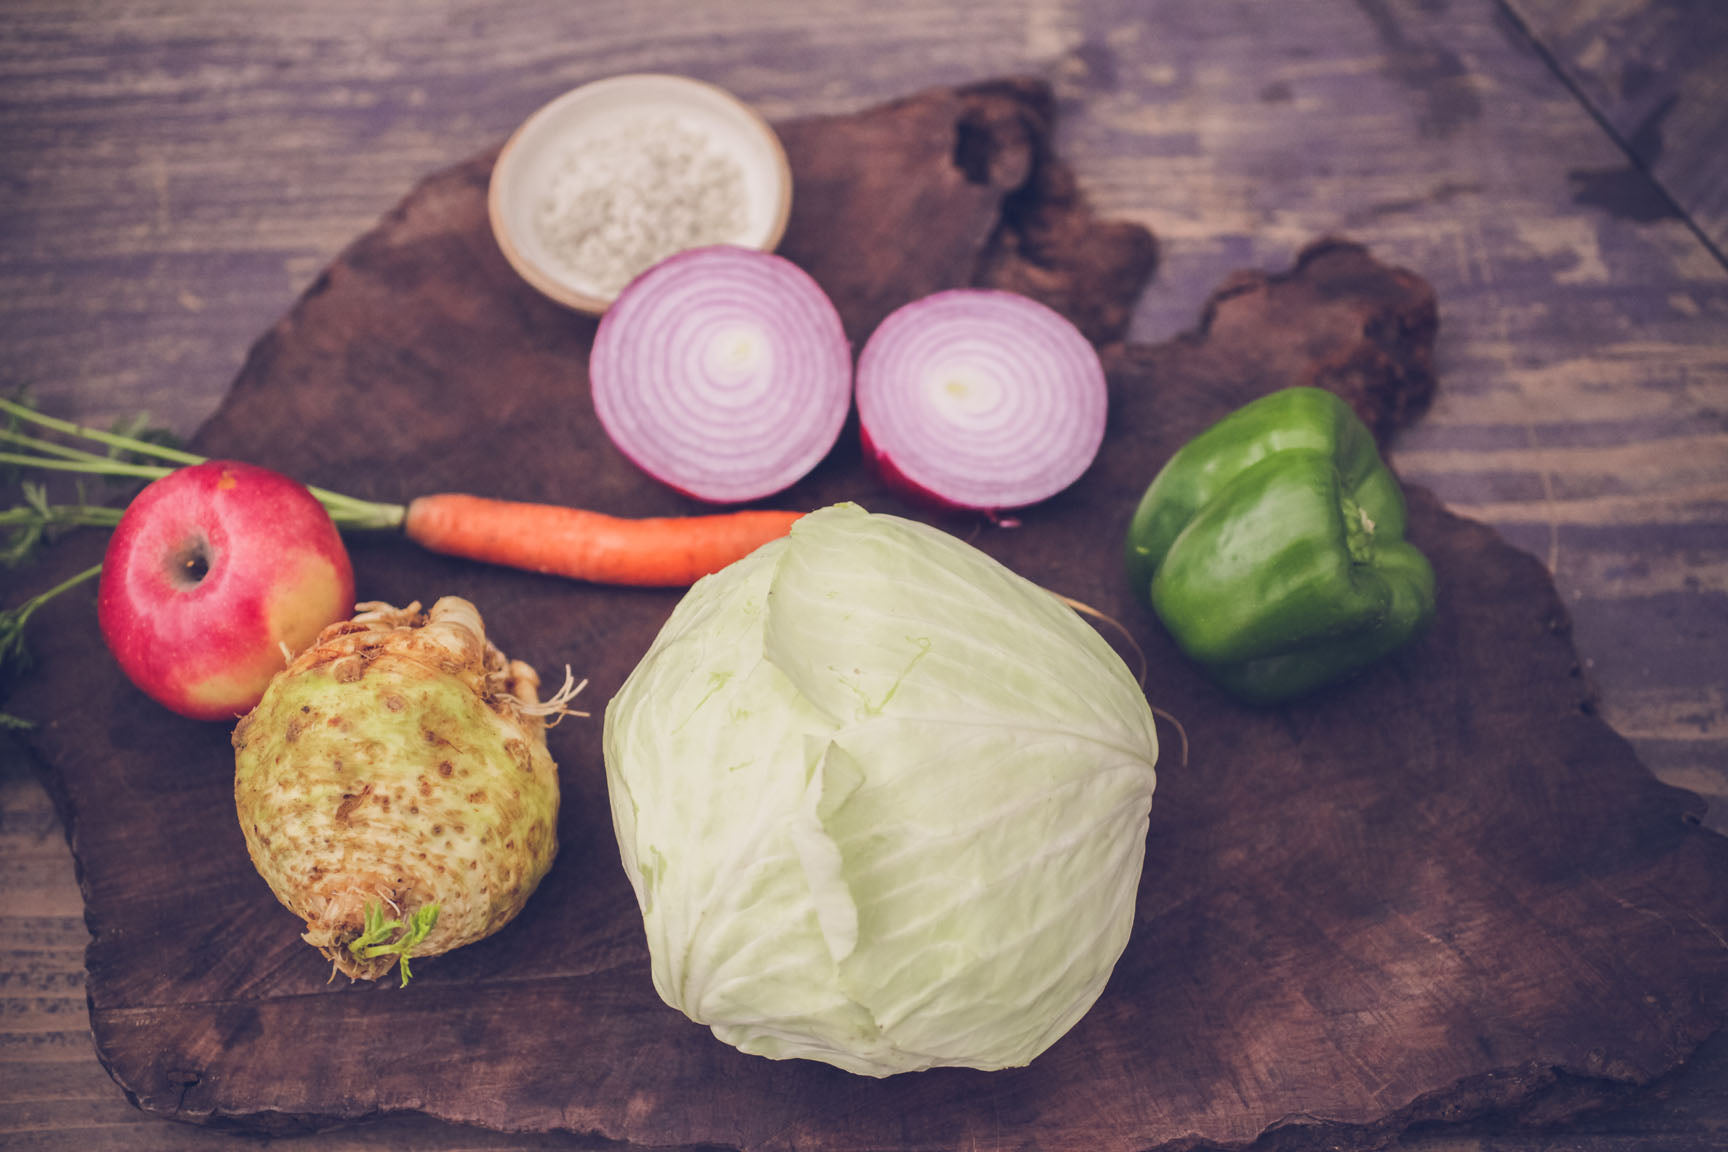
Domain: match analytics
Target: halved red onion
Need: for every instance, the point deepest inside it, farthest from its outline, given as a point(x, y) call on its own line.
point(980, 399)
point(723, 372)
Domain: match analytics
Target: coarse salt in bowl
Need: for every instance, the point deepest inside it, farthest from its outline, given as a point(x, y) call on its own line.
point(613, 177)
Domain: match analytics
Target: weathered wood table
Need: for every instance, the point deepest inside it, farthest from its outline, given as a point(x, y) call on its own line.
point(175, 175)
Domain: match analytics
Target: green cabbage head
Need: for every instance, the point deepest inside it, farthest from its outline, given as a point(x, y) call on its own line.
point(883, 802)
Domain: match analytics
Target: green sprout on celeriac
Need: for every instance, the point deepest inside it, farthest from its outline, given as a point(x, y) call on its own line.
point(375, 937)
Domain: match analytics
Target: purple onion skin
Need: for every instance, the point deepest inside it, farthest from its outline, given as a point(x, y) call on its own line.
point(897, 481)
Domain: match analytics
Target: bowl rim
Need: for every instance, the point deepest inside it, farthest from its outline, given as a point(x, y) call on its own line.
point(545, 281)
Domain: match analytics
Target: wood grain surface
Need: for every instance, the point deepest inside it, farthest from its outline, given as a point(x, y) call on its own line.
point(1655, 72)
point(176, 173)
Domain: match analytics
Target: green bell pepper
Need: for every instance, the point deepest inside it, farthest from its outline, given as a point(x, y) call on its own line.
point(1272, 548)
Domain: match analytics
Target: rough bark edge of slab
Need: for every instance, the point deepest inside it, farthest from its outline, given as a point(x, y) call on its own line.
point(1515, 1102)
point(1049, 245)
point(1518, 1102)
point(1389, 377)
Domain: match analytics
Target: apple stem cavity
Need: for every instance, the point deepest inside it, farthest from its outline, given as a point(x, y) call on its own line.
point(191, 565)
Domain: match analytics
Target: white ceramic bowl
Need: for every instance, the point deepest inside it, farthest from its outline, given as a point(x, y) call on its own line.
point(594, 118)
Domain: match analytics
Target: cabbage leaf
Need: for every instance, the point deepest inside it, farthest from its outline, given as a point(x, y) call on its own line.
point(883, 802)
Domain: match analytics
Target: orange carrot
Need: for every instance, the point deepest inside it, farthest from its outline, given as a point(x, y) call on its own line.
point(664, 552)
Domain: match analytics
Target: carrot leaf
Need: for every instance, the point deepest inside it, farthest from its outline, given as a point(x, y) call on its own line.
point(14, 656)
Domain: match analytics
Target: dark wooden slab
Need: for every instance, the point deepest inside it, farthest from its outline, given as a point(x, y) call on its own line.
point(1444, 890)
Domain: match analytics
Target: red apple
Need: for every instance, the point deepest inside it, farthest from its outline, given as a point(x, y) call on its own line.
point(212, 570)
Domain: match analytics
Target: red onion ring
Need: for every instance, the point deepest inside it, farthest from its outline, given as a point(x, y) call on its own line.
point(980, 399)
point(723, 372)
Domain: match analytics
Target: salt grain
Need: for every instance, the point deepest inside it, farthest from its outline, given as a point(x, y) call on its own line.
point(623, 201)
